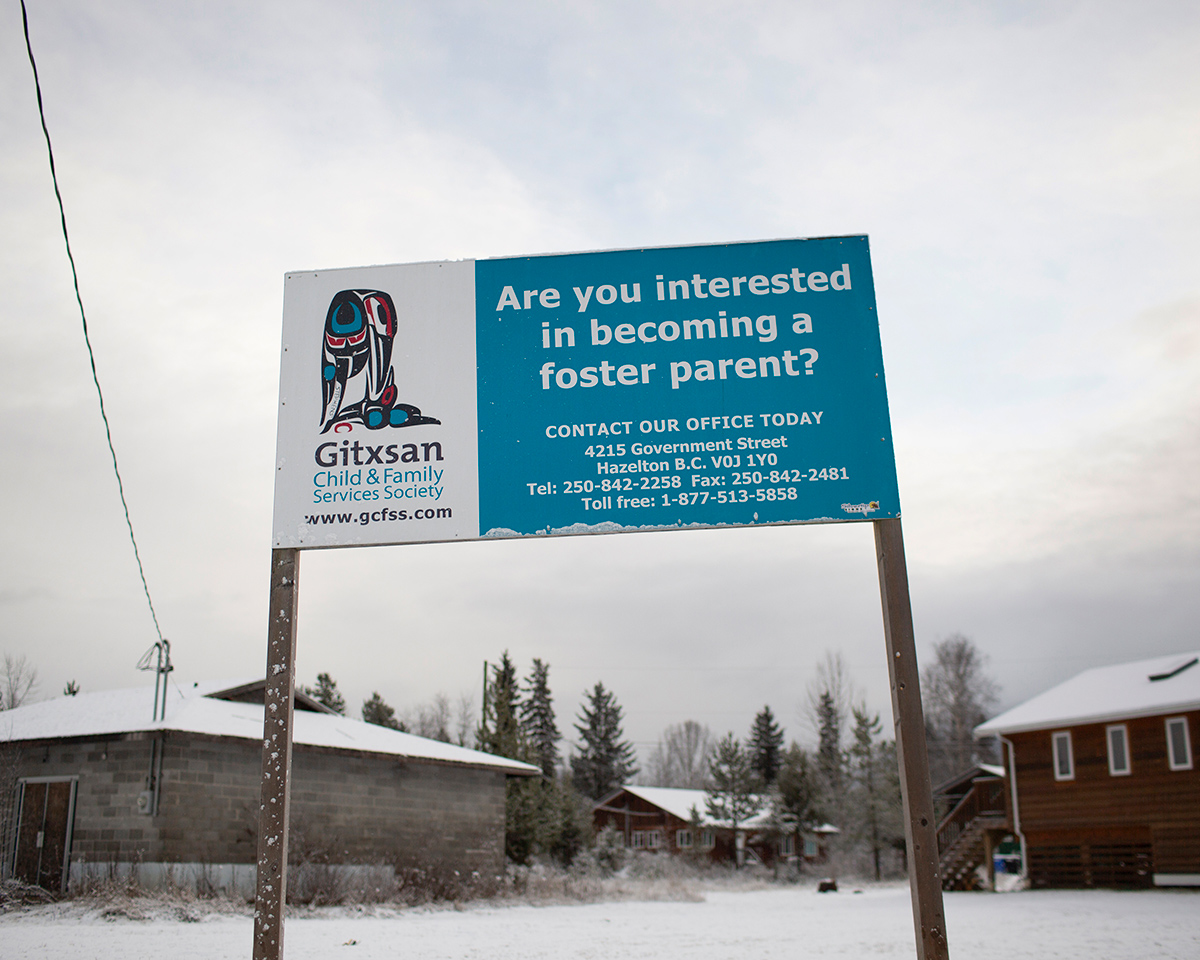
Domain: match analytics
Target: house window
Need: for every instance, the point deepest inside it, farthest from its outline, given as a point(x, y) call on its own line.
point(810, 847)
point(1064, 759)
point(1118, 750)
point(639, 839)
point(683, 839)
point(787, 846)
point(653, 839)
point(708, 839)
point(1179, 746)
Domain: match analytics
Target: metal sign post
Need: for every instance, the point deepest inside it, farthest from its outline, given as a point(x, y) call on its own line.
point(720, 385)
point(271, 880)
point(920, 826)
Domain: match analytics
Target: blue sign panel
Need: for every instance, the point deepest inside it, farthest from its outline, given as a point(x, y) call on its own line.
point(730, 384)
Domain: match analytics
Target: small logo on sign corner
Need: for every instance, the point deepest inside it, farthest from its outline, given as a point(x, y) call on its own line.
point(863, 508)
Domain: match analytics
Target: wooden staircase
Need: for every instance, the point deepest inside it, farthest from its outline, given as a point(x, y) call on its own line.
point(965, 834)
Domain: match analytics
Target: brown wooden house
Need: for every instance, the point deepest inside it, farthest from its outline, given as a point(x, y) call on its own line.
point(661, 820)
point(1102, 785)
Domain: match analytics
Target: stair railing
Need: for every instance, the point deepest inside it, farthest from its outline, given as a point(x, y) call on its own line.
point(984, 799)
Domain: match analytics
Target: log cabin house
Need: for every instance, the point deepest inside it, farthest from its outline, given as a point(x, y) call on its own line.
point(660, 820)
point(1102, 785)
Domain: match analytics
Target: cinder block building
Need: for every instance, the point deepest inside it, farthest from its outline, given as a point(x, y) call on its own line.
point(90, 786)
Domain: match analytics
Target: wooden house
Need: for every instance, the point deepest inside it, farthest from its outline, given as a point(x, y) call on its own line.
point(672, 820)
point(1102, 784)
point(90, 785)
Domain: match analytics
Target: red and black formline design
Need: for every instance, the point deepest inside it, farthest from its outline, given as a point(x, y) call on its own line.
point(360, 328)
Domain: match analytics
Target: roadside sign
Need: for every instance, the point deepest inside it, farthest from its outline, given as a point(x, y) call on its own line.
point(660, 388)
point(654, 389)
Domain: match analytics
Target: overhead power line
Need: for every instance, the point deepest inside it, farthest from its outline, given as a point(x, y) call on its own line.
point(83, 318)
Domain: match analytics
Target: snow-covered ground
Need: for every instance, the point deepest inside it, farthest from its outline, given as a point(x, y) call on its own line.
point(778, 922)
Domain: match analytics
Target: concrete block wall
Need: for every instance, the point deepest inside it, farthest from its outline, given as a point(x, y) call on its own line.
point(346, 808)
point(388, 810)
point(208, 807)
point(112, 772)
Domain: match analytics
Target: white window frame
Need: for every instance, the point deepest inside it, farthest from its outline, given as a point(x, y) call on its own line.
point(683, 839)
point(787, 845)
point(708, 838)
point(1113, 770)
point(1063, 736)
point(811, 847)
point(1187, 744)
point(654, 839)
point(638, 839)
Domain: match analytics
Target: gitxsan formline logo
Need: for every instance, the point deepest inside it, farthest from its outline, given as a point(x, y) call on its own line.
point(360, 329)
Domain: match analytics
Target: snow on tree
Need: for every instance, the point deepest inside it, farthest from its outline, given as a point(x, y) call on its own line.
point(375, 710)
point(766, 741)
point(604, 761)
point(537, 719)
point(874, 795)
point(957, 695)
point(326, 691)
point(681, 757)
point(732, 796)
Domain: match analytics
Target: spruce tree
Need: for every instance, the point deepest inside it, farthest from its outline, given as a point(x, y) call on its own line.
point(605, 761)
point(537, 719)
point(866, 789)
point(798, 787)
point(326, 691)
point(731, 792)
point(501, 733)
point(766, 741)
point(375, 710)
point(829, 744)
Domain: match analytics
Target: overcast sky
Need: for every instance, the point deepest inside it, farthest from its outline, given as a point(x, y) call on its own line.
point(1029, 175)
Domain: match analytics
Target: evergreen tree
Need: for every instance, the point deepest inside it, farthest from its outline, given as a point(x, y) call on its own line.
point(605, 761)
point(542, 816)
point(868, 787)
point(798, 787)
point(731, 791)
point(501, 732)
point(572, 823)
point(375, 710)
point(326, 691)
point(766, 741)
point(537, 719)
point(830, 759)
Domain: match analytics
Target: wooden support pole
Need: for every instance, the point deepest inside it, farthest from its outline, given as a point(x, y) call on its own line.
point(271, 881)
point(920, 827)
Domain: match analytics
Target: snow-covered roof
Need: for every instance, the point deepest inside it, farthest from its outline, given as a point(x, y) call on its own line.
point(194, 710)
point(679, 802)
point(1144, 688)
